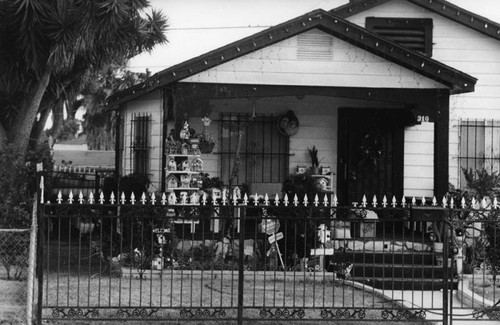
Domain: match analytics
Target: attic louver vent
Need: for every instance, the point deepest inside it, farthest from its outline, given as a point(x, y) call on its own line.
point(412, 33)
point(315, 45)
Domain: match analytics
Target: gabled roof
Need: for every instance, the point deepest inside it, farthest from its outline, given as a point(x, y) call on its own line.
point(328, 22)
point(441, 7)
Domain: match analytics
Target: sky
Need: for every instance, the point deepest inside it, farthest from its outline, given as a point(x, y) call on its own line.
point(199, 26)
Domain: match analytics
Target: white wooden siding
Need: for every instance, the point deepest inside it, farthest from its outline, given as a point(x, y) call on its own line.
point(419, 160)
point(463, 49)
point(350, 66)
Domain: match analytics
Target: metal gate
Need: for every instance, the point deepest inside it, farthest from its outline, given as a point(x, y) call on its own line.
point(242, 260)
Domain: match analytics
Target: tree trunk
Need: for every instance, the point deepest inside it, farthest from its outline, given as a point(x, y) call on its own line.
point(58, 118)
point(39, 127)
point(20, 133)
point(3, 135)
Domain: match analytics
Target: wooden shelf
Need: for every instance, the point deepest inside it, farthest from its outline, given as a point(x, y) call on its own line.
point(182, 172)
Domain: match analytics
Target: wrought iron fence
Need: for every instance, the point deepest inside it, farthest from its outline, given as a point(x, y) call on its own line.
point(66, 179)
point(157, 258)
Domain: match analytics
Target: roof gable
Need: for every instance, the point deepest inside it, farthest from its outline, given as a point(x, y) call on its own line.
point(441, 7)
point(328, 22)
point(314, 59)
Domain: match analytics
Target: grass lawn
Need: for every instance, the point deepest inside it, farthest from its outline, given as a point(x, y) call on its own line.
point(13, 296)
point(213, 290)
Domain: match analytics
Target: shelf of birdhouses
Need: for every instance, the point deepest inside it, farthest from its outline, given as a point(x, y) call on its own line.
point(183, 176)
point(181, 172)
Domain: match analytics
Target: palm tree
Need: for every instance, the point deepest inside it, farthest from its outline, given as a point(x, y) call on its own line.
point(48, 47)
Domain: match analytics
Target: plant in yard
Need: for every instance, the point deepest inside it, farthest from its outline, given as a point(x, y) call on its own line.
point(479, 226)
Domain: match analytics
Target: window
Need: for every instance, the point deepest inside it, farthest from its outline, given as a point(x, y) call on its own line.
point(140, 143)
point(263, 149)
point(412, 33)
point(479, 146)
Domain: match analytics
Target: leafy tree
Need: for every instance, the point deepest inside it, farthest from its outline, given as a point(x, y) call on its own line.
point(99, 124)
point(47, 48)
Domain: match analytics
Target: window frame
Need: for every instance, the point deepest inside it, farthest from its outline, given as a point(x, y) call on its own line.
point(273, 153)
point(140, 143)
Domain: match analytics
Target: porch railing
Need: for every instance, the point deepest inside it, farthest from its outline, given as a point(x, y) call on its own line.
point(155, 257)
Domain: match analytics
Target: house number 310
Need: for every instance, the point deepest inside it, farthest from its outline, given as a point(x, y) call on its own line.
point(423, 118)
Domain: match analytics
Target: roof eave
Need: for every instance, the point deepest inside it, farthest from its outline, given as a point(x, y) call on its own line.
point(321, 19)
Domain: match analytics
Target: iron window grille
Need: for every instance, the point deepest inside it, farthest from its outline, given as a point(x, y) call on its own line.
point(140, 143)
point(479, 146)
point(412, 33)
point(264, 151)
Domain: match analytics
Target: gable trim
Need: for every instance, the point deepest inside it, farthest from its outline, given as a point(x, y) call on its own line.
point(440, 7)
point(457, 81)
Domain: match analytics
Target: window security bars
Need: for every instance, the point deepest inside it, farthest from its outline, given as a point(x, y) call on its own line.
point(139, 143)
point(263, 150)
point(479, 146)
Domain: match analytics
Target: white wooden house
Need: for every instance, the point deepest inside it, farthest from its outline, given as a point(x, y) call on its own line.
point(380, 87)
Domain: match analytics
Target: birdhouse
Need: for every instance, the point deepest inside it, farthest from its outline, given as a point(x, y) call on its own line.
point(183, 196)
point(197, 165)
point(172, 166)
point(185, 181)
point(185, 165)
point(172, 181)
point(194, 198)
point(172, 198)
point(185, 149)
point(322, 183)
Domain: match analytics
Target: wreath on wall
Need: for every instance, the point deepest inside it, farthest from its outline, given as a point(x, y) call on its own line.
point(288, 124)
point(372, 148)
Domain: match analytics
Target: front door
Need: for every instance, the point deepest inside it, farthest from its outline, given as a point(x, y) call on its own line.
point(371, 145)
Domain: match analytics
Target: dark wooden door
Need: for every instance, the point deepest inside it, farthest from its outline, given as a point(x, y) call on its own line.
point(371, 145)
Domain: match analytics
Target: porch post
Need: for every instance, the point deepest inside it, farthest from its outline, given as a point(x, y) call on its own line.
point(118, 152)
point(441, 143)
point(165, 108)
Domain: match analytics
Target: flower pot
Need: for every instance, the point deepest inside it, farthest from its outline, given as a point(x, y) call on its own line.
point(206, 147)
point(438, 248)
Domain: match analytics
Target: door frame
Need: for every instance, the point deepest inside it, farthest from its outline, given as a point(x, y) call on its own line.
point(345, 114)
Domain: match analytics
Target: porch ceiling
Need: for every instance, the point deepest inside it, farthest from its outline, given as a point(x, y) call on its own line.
point(457, 81)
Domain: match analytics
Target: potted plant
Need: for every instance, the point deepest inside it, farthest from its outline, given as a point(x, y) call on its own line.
point(206, 143)
point(313, 153)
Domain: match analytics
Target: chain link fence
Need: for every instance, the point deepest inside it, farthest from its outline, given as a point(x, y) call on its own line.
point(16, 275)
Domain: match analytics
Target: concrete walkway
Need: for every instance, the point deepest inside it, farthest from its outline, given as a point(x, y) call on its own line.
point(432, 302)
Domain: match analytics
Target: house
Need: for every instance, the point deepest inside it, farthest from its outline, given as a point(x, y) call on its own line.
point(382, 88)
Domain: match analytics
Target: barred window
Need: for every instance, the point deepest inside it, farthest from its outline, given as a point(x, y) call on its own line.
point(479, 146)
point(140, 143)
point(263, 150)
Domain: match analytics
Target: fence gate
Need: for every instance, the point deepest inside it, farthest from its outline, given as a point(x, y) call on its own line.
point(150, 259)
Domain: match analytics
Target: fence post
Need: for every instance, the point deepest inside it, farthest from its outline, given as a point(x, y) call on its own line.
point(39, 264)
point(32, 261)
point(446, 278)
point(241, 261)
